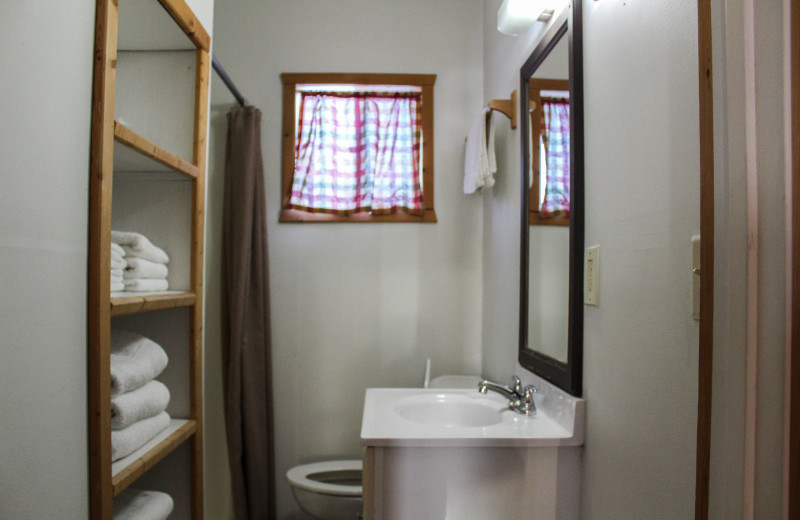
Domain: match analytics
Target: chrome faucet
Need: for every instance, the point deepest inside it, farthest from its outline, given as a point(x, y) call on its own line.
point(519, 399)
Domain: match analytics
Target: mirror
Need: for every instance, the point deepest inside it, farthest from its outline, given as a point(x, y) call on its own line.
point(551, 268)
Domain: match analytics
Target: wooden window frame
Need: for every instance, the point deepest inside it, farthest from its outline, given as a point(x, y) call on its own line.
point(290, 82)
point(535, 86)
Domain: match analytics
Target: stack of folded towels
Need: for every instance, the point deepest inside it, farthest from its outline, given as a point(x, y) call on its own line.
point(145, 264)
point(138, 401)
point(117, 267)
point(133, 504)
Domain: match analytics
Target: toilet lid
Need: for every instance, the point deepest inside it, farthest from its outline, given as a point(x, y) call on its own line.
point(298, 476)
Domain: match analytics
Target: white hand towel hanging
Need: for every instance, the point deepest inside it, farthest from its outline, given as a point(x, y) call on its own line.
point(480, 163)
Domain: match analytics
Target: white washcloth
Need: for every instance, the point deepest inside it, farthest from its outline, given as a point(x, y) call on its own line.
point(117, 260)
point(145, 284)
point(135, 360)
point(116, 248)
point(133, 504)
point(146, 401)
point(141, 268)
point(117, 286)
point(138, 245)
point(126, 441)
point(480, 162)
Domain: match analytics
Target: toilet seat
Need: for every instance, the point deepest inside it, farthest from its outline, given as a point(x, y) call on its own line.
point(299, 476)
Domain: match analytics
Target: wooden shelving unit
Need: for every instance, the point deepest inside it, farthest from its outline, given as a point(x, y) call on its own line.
point(135, 28)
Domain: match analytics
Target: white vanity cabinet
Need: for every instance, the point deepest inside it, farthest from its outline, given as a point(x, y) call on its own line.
point(456, 453)
point(405, 483)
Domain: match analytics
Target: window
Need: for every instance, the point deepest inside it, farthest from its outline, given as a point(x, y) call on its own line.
point(357, 148)
point(550, 149)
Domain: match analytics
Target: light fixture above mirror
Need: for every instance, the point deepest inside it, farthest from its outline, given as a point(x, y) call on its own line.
point(515, 17)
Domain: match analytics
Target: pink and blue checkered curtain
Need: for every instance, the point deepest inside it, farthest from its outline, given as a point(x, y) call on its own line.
point(358, 152)
point(556, 133)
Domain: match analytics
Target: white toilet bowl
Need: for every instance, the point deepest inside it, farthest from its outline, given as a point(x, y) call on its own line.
point(328, 490)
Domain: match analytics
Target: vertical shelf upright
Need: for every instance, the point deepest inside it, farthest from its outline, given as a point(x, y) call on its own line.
point(120, 148)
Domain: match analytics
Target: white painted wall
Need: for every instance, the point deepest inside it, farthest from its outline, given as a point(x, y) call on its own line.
point(45, 88)
point(360, 305)
point(642, 207)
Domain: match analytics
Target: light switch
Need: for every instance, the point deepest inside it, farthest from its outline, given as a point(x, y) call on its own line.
point(696, 277)
point(591, 274)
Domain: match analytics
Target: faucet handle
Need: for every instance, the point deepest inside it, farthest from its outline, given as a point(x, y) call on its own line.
point(516, 385)
point(528, 392)
point(528, 405)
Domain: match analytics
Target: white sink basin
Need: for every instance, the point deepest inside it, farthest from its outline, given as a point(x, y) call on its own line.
point(448, 410)
point(460, 418)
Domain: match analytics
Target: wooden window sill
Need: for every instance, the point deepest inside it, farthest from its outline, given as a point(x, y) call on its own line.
point(294, 215)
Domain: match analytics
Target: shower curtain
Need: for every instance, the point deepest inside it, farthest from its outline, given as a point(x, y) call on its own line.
point(248, 399)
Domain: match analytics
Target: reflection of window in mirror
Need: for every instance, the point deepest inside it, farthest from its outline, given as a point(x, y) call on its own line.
point(550, 148)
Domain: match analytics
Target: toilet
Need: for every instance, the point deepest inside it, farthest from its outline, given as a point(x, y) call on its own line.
point(328, 490)
point(331, 490)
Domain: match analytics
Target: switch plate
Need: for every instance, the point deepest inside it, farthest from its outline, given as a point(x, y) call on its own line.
point(591, 275)
point(696, 277)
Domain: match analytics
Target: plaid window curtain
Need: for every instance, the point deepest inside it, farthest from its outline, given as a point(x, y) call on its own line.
point(358, 152)
point(556, 142)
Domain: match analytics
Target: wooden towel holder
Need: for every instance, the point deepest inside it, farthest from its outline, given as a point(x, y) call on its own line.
point(507, 107)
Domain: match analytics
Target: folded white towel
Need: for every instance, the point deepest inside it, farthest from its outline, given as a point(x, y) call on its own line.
point(116, 248)
point(146, 401)
point(135, 360)
point(141, 268)
point(133, 504)
point(138, 245)
point(126, 441)
point(480, 162)
point(117, 261)
point(117, 286)
point(145, 284)
point(117, 273)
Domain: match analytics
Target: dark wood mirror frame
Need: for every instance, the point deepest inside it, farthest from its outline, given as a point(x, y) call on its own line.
point(567, 376)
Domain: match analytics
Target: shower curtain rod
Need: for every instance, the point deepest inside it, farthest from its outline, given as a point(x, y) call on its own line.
point(228, 81)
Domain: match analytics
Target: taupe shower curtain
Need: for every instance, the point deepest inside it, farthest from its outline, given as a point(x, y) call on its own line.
point(248, 399)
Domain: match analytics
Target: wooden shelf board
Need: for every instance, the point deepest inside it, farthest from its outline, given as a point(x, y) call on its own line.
point(127, 469)
point(147, 148)
point(133, 302)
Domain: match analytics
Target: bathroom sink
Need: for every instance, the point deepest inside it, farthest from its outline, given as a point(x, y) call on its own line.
point(443, 417)
point(448, 410)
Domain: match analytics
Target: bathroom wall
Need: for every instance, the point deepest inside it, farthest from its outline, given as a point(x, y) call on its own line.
point(353, 305)
point(45, 88)
point(642, 207)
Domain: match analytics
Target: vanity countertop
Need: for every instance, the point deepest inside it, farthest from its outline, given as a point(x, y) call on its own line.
point(440, 417)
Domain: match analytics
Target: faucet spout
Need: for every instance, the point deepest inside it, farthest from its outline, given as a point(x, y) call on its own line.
point(484, 387)
point(520, 400)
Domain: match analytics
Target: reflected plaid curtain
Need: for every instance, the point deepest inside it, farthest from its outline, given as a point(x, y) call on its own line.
point(556, 141)
point(358, 152)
